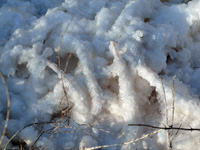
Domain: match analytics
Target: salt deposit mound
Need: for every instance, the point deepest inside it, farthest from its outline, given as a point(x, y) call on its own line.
point(118, 54)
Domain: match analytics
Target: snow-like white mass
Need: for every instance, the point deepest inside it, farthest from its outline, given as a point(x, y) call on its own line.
point(118, 54)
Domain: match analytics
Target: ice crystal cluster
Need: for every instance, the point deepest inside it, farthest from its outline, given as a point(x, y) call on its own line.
point(121, 51)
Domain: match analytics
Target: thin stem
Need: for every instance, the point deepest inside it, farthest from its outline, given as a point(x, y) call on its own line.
point(8, 108)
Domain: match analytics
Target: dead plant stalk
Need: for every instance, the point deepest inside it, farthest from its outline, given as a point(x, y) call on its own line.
point(8, 108)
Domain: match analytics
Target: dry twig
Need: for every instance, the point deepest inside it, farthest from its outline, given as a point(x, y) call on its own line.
point(165, 128)
point(173, 95)
point(57, 127)
point(33, 124)
point(124, 143)
point(67, 62)
point(173, 109)
point(8, 108)
point(166, 114)
point(59, 61)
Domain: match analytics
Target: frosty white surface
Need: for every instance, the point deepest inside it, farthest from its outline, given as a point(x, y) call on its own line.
point(121, 51)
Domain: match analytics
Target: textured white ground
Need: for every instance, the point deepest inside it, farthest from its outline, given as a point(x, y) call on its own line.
point(108, 85)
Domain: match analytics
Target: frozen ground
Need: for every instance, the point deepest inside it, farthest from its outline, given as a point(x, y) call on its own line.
point(107, 84)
